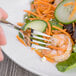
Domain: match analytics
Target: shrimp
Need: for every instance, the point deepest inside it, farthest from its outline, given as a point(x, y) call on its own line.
point(61, 41)
point(64, 43)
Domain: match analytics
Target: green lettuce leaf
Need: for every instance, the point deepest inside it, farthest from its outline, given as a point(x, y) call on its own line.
point(74, 48)
point(53, 22)
point(20, 35)
point(67, 64)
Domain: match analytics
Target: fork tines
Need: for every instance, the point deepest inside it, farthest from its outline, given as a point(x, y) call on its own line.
point(40, 40)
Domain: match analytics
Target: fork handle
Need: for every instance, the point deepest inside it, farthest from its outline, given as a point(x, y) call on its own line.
point(12, 25)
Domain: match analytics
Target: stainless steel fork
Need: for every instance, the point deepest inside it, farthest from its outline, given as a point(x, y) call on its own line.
point(38, 39)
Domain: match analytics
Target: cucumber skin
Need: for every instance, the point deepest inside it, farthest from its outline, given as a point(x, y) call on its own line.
point(61, 21)
point(33, 21)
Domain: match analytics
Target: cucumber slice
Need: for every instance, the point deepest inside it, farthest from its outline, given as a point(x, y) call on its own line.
point(20, 35)
point(62, 12)
point(38, 25)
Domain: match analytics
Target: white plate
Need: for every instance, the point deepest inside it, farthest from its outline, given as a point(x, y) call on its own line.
point(16, 51)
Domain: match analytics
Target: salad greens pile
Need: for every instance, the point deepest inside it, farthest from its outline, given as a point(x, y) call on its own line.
point(71, 62)
point(61, 66)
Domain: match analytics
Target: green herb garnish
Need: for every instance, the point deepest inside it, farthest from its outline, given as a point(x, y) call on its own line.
point(21, 36)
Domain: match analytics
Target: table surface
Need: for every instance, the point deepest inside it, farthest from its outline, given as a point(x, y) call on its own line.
point(9, 68)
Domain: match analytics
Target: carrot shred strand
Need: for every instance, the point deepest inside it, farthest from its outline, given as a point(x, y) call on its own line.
point(21, 40)
point(30, 12)
point(71, 3)
point(39, 53)
point(47, 58)
point(20, 24)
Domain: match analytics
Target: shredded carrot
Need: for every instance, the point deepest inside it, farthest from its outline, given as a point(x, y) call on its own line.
point(39, 53)
point(63, 31)
point(20, 24)
point(33, 18)
point(47, 58)
point(53, 7)
point(49, 28)
point(32, 48)
point(39, 13)
point(75, 40)
point(74, 10)
point(21, 40)
point(42, 10)
point(56, 48)
point(56, 32)
point(31, 13)
point(46, 19)
point(46, 30)
point(48, 1)
point(46, 11)
point(73, 26)
point(52, 55)
point(42, 2)
point(61, 24)
point(32, 6)
point(50, 60)
point(70, 3)
point(34, 43)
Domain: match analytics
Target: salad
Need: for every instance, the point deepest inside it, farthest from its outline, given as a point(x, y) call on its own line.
point(56, 18)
